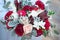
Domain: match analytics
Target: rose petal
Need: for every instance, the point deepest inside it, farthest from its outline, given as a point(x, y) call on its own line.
point(47, 24)
point(21, 13)
point(19, 30)
point(40, 4)
point(8, 14)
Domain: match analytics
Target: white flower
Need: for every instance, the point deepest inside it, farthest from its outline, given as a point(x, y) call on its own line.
point(35, 13)
point(12, 6)
point(41, 23)
point(12, 23)
point(14, 16)
point(37, 24)
point(27, 28)
point(24, 20)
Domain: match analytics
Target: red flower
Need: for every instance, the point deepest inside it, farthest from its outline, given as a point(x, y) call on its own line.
point(30, 8)
point(47, 24)
point(21, 12)
point(27, 7)
point(7, 18)
point(34, 8)
point(39, 32)
point(40, 4)
point(19, 30)
point(43, 16)
point(8, 14)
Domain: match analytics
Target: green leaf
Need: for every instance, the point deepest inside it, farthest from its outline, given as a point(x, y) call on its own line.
point(51, 13)
point(53, 25)
point(23, 38)
point(56, 32)
point(7, 5)
point(26, 36)
point(45, 32)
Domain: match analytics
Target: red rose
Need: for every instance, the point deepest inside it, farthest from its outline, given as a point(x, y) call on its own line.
point(39, 32)
point(21, 12)
point(7, 18)
point(8, 14)
point(30, 8)
point(40, 5)
point(27, 7)
point(19, 30)
point(34, 8)
point(47, 24)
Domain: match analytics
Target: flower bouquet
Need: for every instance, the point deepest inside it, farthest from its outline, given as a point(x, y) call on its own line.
point(27, 19)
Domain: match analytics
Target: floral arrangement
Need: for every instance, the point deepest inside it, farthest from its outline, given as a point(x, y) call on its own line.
point(28, 19)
